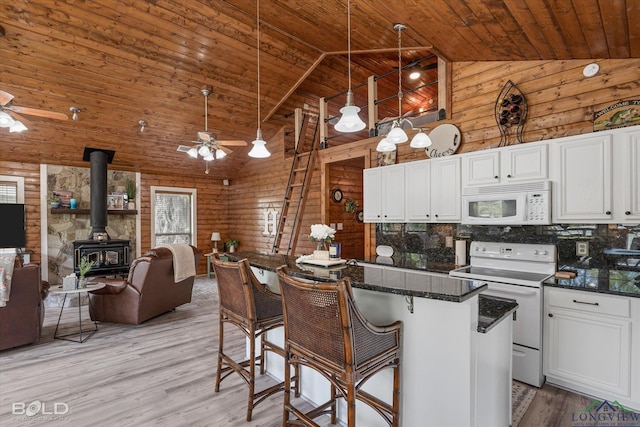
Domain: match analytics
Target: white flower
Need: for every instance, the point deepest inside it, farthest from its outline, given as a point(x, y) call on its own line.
point(321, 232)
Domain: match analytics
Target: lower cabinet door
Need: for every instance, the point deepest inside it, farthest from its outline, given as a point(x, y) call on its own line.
point(588, 351)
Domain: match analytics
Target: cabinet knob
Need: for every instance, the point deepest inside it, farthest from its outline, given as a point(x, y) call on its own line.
point(436, 215)
point(627, 213)
point(496, 177)
point(427, 215)
point(509, 176)
point(550, 315)
point(608, 213)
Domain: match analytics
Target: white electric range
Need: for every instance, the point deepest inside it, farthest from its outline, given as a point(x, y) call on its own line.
point(516, 271)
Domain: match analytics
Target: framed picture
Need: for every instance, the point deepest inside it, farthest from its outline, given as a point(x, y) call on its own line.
point(115, 201)
point(360, 215)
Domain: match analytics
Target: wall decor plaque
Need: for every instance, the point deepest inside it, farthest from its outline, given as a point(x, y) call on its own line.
point(511, 113)
point(618, 115)
point(445, 141)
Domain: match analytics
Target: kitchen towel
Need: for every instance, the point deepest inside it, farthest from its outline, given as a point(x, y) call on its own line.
point(461, 252)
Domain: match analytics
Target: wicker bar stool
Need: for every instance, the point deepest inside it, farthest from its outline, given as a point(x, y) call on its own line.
point(247, 304)
point(325, 331)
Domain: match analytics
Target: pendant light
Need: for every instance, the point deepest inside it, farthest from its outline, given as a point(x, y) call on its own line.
point(350, 120)
point(397, 135)
point(420, 140)
point(259, 149)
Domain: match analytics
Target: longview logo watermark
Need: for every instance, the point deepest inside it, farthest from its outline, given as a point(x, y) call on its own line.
point(606, 413)
point(40, 411)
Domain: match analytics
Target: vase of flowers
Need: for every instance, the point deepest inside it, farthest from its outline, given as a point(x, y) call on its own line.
point(323, 235)
point(84, 267)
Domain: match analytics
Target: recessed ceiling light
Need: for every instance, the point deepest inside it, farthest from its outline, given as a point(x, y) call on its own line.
point(591, 70)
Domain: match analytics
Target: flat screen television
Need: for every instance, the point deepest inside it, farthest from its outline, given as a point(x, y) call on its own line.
point(12, 225)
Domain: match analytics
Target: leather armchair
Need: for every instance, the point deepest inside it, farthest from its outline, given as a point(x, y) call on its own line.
point(148, 291)
point(21, 320)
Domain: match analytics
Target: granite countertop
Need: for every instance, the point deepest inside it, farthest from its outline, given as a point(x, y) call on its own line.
point(410, 283)
point(612, 281)
point(491, 309)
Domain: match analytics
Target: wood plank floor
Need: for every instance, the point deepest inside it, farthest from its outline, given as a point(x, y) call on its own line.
point(162, 373)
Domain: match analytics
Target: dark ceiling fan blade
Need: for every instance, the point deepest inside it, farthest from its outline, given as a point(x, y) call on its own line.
point(205, 136)
point(37, 112)
point(5, 98)
point(233, 143)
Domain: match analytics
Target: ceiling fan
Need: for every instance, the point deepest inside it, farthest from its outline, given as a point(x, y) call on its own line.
point(206, 144)
point(10, 115)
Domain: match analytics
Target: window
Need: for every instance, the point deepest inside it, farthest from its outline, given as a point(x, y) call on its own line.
point(11, 191)
point(174, 218)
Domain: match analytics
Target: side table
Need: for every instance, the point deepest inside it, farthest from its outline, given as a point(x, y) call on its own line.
point(209, 271)
point(79, 291)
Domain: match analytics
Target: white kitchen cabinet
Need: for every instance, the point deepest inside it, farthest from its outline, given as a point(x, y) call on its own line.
point(582, 176)
point(588, 342)
point(446, 197)
point(526, 162)
point(384, 194)
point(626, 157)
point(417, 176)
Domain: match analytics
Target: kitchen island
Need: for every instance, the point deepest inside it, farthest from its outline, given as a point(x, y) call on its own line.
point(455, 345)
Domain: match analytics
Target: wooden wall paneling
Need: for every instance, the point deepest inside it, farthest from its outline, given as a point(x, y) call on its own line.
point(31, 174)
point(347, 176)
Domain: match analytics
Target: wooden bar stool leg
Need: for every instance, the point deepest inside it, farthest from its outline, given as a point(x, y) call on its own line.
point(252, 372)
point(220, 341)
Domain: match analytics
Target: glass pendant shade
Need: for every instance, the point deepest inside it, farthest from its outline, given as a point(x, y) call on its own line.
point(204, 151)
point(385, 146)
point(420, 140)
point(350, 120)
point(5, 120)
point(17, 126)
point(397, 135)
point(220, 154)
point(259, 150)
point(193, 152)
point(209, 157)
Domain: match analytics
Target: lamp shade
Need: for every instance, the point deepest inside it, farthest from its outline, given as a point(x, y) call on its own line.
point(397, 135)
point(215, 237)
point(350, 121)
point(385, 146)
point(17, 126)
point(259, 150)
point(5, 120)
point(193, 152)
point(420, 140)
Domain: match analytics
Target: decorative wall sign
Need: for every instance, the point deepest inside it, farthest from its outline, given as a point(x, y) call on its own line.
point(445, 141)
point(511, 113)
point(619, 115)
point(270, 221)
point(387, 158)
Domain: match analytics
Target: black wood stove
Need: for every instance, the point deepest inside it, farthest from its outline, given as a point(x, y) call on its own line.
point(109, 256)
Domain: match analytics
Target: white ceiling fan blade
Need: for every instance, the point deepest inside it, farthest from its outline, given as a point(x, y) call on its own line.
point(5, 98)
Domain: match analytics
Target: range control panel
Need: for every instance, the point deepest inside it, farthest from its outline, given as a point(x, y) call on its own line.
point(515, 251)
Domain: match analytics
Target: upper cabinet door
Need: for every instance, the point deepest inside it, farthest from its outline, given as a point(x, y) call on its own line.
point(582, 179)
point(372, 194)
point(393, 193)
point(631, 177)
point(524, 163)
point(481, 168)
point(417, 191)
point(446, 200)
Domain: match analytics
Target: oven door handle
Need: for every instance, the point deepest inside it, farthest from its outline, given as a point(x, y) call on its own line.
point(514, 292)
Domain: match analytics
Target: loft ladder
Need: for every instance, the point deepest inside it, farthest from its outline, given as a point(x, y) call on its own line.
point(297, 186)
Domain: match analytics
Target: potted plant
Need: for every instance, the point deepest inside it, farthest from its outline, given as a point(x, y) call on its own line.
point(351, 205)
point(84, 267)
point(131, 190)
point(54, 200)
point(231, 245)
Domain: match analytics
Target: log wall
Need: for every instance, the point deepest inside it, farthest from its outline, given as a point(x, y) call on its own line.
point(561, 103)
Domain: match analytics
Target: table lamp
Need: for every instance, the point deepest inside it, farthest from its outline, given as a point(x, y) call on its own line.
point(215, 238)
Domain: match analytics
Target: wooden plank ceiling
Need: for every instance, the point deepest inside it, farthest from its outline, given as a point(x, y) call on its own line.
point(125, 61)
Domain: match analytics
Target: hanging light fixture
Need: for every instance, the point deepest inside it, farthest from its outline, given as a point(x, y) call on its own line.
point(350, 120)
point(397, 135)
point(259, 149)
point(17, 126)
point(385, 146)
point(6, 120)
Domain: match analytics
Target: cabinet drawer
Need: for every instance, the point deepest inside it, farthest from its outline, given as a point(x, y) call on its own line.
point(589, 302)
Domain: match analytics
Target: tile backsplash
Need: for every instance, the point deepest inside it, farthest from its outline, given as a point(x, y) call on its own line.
point(609, 245)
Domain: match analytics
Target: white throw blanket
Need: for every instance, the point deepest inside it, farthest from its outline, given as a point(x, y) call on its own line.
point(6, 271)
point(184, 264)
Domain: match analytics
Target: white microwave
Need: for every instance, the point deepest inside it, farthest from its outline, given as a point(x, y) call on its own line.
point(527, 203)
